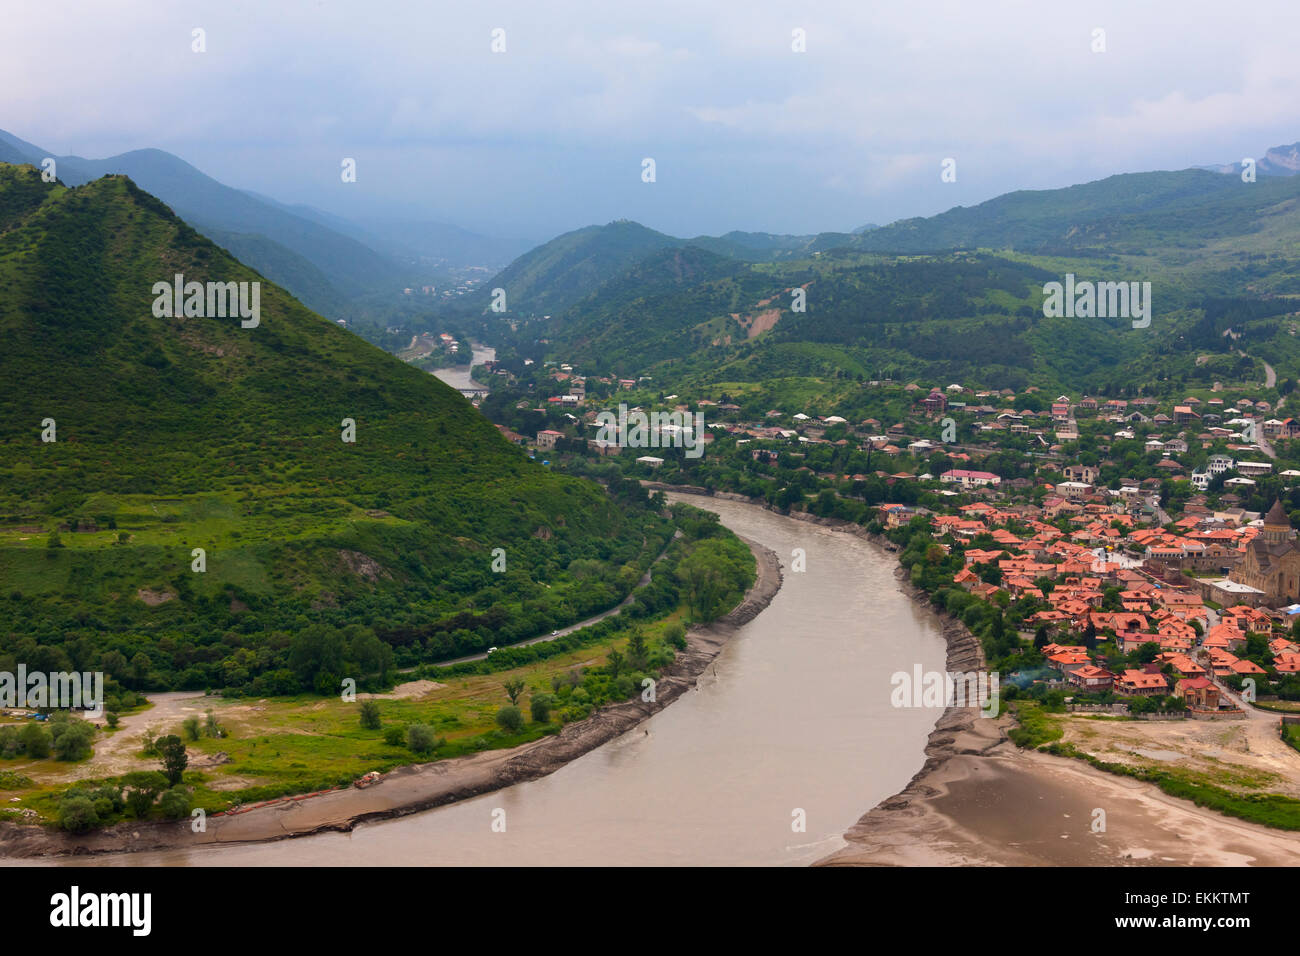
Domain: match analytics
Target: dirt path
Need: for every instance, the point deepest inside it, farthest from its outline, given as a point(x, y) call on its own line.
point(119, 751)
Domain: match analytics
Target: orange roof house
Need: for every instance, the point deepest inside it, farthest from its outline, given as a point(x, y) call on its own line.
point(1135, 683)
point(1091, 677)
point(1199, 693)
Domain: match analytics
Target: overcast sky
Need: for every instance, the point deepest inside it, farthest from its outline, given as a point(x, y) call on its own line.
point(746, 133)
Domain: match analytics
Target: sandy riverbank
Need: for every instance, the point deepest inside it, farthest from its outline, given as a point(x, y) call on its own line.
point(421, 786)
point(981, 801)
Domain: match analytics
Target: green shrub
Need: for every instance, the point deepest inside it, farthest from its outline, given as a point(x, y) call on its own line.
point(395, 735)
point(510, 719)
point(540, 705)
point(36, 741)
point(421, 739)
point(73, 739)
point(370, 715)
point(77, 813)
point(175, 803)
point(140, 802)
point(675, 634)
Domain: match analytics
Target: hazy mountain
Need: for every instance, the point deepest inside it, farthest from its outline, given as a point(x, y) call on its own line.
point(441, 243)
point(560, 272)
point(312, 257)
point(1220, 254)
point(438, 245)
point(1278, 161)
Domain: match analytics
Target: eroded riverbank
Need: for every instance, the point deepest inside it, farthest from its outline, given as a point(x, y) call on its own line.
point(419, 787)
point(793, 714)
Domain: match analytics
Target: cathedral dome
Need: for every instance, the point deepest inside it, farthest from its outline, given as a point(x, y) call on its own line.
point(1277, 516)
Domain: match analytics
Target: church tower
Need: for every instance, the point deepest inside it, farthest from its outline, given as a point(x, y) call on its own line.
point(1277, 526)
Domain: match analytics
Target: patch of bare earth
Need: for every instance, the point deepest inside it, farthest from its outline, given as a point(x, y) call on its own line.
point(411, 690)
point(363, 565)
point(761, 322)
point(1233, 753)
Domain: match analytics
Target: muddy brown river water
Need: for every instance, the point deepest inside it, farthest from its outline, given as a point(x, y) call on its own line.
point(795, 715)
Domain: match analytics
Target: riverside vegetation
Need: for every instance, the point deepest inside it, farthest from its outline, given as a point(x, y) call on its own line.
point(1000, 625)
point(321, 559)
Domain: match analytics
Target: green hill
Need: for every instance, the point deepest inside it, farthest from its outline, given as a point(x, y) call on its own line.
point(560, 272)
point(180, 433)
point(1165, 214)
point(275, 240)
point(954, 297)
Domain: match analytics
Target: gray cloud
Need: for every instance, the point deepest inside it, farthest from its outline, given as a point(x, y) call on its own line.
point(746, 133)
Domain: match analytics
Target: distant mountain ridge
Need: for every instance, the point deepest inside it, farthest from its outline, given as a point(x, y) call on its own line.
point(1133, 213)
point(957, 295)
point(324, 260)
point(1278, 161)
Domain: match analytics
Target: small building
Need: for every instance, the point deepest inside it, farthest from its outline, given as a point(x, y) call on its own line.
point(1199, 693)
point(970, 479)
point(1136, 683)
point(1073, 489)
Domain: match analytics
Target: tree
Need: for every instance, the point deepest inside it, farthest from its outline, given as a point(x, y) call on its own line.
point(541, 705)
point(421, 739)
point(370, 715)
point(72, 740)
point(77, 813)
point(36, 741)
point(175, 803)
point(144, 787)
point(637, 652)
point(191, 728)
point(510, 719)
point(514, 687)
point(140, 668)
point(614, 662)
point(174, 758)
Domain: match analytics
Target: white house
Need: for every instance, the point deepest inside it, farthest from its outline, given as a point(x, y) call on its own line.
point(1218, 464)
point(970, 479)
point(1073, 489)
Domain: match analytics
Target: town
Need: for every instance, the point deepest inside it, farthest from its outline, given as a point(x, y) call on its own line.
point(1139, 547)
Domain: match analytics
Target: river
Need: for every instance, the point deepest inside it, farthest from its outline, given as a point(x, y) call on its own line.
point(458, 376)
point(795, 714)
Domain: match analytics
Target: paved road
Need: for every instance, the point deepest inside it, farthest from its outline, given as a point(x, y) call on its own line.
point(645, 579)
point(1269, 717)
